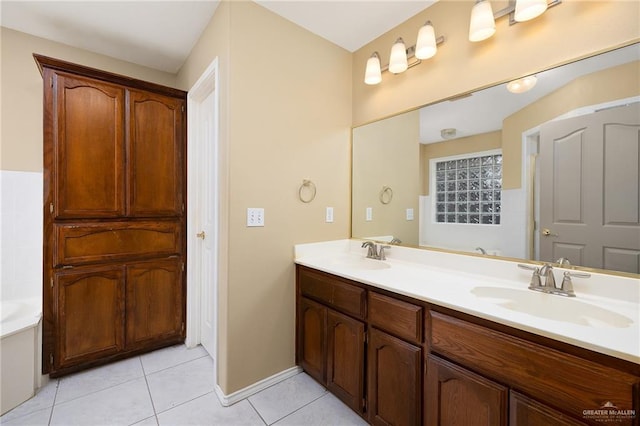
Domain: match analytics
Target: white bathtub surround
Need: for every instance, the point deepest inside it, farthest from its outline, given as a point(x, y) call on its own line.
point(20, 284)
point(20, 235)
point(458, 282)
point(19, 351)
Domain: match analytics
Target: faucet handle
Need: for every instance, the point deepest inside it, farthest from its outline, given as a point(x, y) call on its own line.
point(381, 254)
point(567, 286)
point(535, 283)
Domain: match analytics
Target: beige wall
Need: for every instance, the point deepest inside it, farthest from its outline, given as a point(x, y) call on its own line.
point(21, 114)
point(571, 30)
point(286, 116)
point(387, 153)
point(476, 143)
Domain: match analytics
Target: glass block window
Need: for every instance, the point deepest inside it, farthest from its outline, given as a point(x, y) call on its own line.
point(468, 190)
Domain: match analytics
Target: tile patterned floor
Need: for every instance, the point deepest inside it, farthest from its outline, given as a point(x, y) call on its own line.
point(173, 387)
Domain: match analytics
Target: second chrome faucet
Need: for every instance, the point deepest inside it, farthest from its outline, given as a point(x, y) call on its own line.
point(546, 272)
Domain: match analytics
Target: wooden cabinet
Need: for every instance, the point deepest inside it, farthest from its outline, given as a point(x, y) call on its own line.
point(524, 411)
point(114, 219)
point(394, 376)
point(458, 397)
point(331, 344)
point(345, 359)
point(90, 321)
point(431, 365)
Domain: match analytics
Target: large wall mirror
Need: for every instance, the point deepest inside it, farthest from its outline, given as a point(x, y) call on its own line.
point(546, 174)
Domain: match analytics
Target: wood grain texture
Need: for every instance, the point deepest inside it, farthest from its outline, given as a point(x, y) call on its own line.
point(524, 411)
point(555, 378)
point(312, 346)
point(335, 292)
point(394, 316)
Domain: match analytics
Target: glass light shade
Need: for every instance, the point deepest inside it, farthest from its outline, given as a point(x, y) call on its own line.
point(398, 60)
point(426, 45)
point(482, 24)
point(372, 74)
point(522, 85)
point(529, 9)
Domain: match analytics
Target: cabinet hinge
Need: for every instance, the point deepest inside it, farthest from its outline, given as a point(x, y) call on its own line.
point(51, 359)
point(51, 208)
point(182, 207)
point(182, 266)
point(51, 282)
point(182, 328)
point(50, 81)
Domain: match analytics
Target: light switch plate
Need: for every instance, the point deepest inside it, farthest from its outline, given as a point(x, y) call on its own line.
point(329, 215)
point(369, 214)
point(255, 216)
point(409, 214)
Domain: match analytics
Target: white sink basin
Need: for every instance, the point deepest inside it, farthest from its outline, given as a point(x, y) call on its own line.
point(552, 307)
point(359, 263)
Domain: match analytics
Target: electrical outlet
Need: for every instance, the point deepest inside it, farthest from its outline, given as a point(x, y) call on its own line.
point(409, 214)
point(329, 215)
point(369, 214)
point(255, 216)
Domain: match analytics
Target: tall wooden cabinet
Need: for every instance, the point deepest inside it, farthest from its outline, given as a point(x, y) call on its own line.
point(114, 216)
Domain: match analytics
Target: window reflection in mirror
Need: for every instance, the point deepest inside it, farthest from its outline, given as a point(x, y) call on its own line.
point(555, 177)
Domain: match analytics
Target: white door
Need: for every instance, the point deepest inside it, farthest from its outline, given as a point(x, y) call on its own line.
point(590, 189)
point(207, 212)
point(203, 202)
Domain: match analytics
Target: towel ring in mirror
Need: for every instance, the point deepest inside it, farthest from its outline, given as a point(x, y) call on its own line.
point(386, 195)
point(309, 188)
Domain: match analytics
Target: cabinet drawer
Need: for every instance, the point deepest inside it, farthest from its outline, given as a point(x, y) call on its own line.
point(94, 242)
point(333, 291)
point(396, 317)
point(565, 381)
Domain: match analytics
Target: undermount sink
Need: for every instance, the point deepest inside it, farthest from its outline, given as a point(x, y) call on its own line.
point(360, 263)
point(552, 307)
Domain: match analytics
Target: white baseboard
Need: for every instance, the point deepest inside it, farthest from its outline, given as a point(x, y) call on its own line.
point(227, 400)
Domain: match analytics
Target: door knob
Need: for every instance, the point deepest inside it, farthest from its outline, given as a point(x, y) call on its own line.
point(547, 233)
point(200, 235)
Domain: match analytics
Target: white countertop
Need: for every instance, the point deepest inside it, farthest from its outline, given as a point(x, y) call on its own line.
point(604, 317)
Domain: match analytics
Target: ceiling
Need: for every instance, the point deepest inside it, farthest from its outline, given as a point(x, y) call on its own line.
point(161, 34)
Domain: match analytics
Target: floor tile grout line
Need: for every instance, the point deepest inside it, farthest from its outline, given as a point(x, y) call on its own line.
point(175, 365)
point(153, 406)
point(185, 402)
point(98, 390)
point(256, 410)
point(53, 405)
point(324, 393)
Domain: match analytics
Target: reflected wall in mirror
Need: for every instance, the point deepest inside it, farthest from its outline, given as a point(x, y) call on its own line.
point(547, 174)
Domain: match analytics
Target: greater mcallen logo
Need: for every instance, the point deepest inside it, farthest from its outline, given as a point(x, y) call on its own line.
point(609, 412)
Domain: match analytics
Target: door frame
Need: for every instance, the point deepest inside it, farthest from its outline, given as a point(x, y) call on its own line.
point(204, 86)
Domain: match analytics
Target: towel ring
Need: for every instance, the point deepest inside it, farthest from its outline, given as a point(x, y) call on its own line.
point(306, 183)
point(386, 195)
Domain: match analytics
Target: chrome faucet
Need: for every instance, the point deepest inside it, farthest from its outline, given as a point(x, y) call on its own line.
point(481, 250)
point(546, 271)
point(374, 251)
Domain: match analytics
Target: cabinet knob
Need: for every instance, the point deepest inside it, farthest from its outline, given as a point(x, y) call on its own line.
point(200, 235)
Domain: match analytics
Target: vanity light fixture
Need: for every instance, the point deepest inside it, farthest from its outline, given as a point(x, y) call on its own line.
point(425, 48)
point(482, 24)
point(522, 85)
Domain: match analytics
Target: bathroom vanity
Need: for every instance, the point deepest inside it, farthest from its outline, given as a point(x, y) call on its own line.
point(416, 339)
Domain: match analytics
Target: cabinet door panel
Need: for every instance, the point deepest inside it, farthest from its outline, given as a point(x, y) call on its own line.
point(154, 301)
point(524, 411)
point(394, 380)
point(458, 397)
point(89, 148)
point(90, 314)
point(312, 325)
point(155, 155)
point(345, 359)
